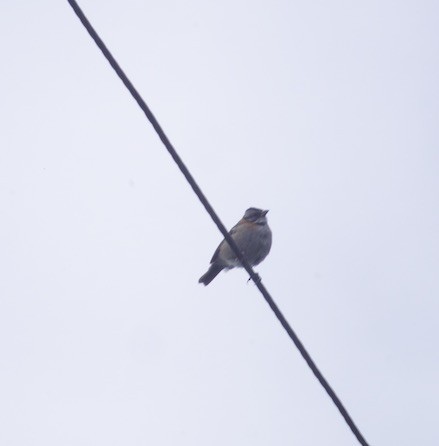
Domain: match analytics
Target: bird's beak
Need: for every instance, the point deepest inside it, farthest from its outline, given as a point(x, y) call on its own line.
point(264, 213)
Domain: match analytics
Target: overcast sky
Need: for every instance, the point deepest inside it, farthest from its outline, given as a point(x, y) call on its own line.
point(324, 112)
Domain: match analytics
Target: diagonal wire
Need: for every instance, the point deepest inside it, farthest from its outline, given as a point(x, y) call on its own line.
point(254, 276)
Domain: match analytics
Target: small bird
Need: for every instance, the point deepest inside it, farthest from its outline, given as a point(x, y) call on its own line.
point(253, 237)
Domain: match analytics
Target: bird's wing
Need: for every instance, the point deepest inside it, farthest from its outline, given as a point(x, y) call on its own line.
point(216, 253)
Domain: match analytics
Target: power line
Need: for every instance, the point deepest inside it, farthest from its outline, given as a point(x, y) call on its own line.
point(254, 276)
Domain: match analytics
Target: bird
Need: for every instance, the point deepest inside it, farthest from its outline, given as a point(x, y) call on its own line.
point(253, 237)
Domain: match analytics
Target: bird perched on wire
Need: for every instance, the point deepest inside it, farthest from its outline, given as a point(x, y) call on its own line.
point(252, 236)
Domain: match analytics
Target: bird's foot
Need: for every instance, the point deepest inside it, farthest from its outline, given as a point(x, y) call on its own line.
point(257, 278)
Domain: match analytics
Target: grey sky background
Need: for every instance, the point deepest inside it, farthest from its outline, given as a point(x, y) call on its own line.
point(326, 113)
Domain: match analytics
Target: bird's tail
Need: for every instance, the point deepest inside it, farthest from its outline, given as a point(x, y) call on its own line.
point(212, 272)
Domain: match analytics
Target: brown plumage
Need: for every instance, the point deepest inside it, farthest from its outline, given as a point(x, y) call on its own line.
point(253, 237)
